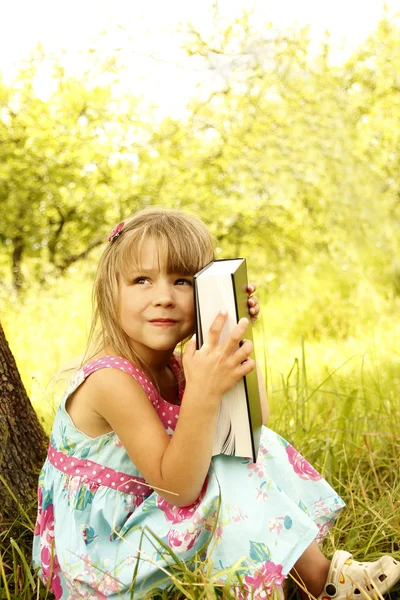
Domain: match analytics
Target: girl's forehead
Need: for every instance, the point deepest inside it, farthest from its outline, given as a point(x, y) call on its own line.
point(167, 252)
point(151, 254)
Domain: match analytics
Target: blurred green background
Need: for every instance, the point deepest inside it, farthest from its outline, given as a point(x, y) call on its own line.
point(290, 156)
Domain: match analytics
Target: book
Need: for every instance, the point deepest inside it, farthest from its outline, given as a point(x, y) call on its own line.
point(222, 285)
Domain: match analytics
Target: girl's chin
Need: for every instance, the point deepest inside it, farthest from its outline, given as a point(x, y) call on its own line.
point(163, 347)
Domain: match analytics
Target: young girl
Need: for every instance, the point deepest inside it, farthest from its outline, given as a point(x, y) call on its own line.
point(130, 450)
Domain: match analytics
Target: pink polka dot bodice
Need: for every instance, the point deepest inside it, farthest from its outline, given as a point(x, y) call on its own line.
point(167, 412)
point(102, 461)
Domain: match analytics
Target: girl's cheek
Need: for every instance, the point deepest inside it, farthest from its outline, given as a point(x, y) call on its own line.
point(191, 323)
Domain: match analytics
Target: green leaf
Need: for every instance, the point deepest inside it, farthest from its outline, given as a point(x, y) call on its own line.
point(259, 552)
point(83, 498)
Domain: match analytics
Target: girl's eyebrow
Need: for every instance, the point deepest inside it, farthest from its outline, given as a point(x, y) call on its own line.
point(154, 270)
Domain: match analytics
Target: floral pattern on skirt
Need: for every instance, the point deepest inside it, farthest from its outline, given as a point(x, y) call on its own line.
point(101, 530)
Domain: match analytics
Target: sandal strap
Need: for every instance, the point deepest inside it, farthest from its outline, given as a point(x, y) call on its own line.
point(331, 587)
point(348, 578)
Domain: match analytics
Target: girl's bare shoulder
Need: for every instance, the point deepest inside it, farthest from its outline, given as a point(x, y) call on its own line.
point(104, 391)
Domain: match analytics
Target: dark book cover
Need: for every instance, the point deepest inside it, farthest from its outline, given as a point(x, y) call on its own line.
point(251, 396)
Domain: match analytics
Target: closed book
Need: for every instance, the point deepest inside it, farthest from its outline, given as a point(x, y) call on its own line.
point(222, 285)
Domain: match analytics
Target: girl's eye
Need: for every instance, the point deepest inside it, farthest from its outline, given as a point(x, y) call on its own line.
point(183, 281)
point(141, 280)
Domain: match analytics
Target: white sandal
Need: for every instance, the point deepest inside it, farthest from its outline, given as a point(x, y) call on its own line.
point(352, 580)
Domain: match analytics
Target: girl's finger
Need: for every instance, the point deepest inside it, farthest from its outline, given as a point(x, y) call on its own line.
point(245, 367)
point(236, 336)
point(214, 332)
point(252, 301)
point(251, 288)
point(244, 351)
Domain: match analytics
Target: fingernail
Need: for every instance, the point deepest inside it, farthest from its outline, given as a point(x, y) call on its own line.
point(244, 321)
point(223, 313)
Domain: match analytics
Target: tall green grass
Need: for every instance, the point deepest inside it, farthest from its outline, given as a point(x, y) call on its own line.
point(335, 398)
point(18, 581)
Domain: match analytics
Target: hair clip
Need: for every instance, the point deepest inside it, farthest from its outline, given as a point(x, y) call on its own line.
point(116, 232)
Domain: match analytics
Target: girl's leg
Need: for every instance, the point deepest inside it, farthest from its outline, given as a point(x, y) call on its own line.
point(311, 570)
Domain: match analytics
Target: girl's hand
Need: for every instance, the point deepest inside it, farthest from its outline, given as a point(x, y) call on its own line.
point(215, 368)
point(252, 301)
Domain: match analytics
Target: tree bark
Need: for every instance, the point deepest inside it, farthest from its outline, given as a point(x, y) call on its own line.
point(18, 250)
point(23, 441)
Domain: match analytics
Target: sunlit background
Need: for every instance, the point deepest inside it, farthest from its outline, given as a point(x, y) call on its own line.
point(341, 294)
point(149, 35)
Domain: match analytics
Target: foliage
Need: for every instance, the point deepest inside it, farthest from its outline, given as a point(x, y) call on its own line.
point(17, 580)
point(57, 170)
point(285, 156)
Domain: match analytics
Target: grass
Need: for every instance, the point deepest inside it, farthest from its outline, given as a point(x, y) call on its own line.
point(17, 579)
point(336, 400)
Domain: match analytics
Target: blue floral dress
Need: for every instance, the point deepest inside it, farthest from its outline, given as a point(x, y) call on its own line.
point(96, 516)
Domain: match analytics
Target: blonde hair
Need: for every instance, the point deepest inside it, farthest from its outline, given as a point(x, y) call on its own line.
point(185, 245)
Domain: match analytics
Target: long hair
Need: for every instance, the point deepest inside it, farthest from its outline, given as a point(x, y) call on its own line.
point(185, 246)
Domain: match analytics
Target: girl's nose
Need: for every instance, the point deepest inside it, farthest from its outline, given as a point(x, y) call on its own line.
point(163, 296)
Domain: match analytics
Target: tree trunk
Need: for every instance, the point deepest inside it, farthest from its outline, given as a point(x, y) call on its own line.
point(22, 439)
point(18, 250)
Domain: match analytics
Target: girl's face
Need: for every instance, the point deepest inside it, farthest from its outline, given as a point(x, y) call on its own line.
point(156, 309)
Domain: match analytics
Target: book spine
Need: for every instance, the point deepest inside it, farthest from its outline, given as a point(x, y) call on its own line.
point(239, 284)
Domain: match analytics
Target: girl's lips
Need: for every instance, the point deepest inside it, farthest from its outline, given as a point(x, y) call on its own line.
point(163, 322)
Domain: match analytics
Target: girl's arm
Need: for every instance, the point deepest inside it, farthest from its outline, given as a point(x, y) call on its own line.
point(178, 464)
